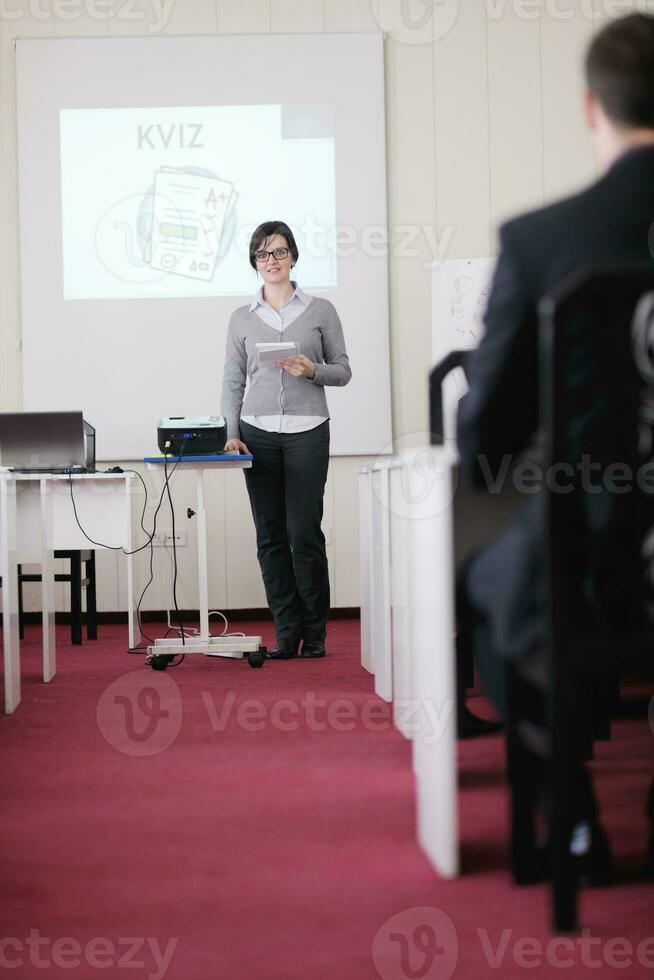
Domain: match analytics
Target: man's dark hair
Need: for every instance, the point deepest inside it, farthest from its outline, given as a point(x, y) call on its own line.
point(620, 70)
point(266, 231)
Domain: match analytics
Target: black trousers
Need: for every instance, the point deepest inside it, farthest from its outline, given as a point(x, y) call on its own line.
point(520, 708)
point(286, 486)
point(474, 648)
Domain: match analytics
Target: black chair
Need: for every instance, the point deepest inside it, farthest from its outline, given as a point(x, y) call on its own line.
point(597, 415)
point(477, 517)
point(78, 581)
point(437, 375)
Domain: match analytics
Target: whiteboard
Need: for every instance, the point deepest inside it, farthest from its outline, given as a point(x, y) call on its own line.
point(460, 292)
point(108, 325)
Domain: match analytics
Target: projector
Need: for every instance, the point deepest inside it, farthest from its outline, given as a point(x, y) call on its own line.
point(192, 435)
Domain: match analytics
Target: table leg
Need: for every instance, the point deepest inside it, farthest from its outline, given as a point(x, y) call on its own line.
point(9, 572)
point(203, 585)
point(129, 539)
point(47, 583)
point(432, 649)
point(381, 598)
point(366, 565)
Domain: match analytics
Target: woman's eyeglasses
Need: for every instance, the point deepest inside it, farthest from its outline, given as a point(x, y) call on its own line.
point(277, 253)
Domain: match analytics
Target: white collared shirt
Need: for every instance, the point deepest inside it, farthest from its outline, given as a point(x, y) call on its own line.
point(280, 320)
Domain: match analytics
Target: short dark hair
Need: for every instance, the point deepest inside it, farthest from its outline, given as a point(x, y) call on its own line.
point(266, 231)
point(620, 70)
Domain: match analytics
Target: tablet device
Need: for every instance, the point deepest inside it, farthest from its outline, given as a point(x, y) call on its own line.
point(271, 353)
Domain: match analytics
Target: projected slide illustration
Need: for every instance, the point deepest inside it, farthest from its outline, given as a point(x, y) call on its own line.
point(189, 217)
point(162, 202)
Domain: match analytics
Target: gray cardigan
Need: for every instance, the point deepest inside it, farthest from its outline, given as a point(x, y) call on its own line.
point(270, 390)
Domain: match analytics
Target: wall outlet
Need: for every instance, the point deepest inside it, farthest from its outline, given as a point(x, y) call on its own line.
point(164, 539)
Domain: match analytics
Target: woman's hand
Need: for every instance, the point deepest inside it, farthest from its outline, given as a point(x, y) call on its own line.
point(232, 444)
point(299, 367)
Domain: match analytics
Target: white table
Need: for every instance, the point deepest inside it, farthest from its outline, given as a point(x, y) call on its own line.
point(37, 519)
point(414, 534)
point(408, 627)
point(12, 518)
point(374, 530)
point(211, 646)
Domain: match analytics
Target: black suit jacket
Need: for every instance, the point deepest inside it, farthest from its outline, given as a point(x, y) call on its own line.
point(609, 224)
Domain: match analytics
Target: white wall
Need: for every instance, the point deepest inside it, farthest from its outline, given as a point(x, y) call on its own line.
point(482, 122)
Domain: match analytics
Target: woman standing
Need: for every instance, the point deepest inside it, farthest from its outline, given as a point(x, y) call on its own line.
point(282, 419)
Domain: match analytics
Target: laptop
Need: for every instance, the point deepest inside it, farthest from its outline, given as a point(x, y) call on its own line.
point(46, 442)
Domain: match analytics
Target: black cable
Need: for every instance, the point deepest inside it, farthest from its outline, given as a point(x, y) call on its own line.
point(172, 514)
point(110, 547)
point(141, 649)
point(154, 531)
point(182, 656)
point(113, 547)
point(142, 634)
point(151, 579)
point(149, 542)
point(145, 502)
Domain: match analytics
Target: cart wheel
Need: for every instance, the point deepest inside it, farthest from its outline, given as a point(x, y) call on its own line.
point(256, 659)
point(160, 661)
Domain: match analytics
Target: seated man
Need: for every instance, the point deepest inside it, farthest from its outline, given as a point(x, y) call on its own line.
point(611, 223)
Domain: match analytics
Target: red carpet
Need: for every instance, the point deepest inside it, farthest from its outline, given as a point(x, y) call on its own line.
point(215, 822)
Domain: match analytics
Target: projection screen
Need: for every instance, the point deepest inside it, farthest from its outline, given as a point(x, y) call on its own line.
point(144, 165)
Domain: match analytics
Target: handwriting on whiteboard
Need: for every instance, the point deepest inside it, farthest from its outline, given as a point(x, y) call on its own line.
point(468, 306)
point(460, 291)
